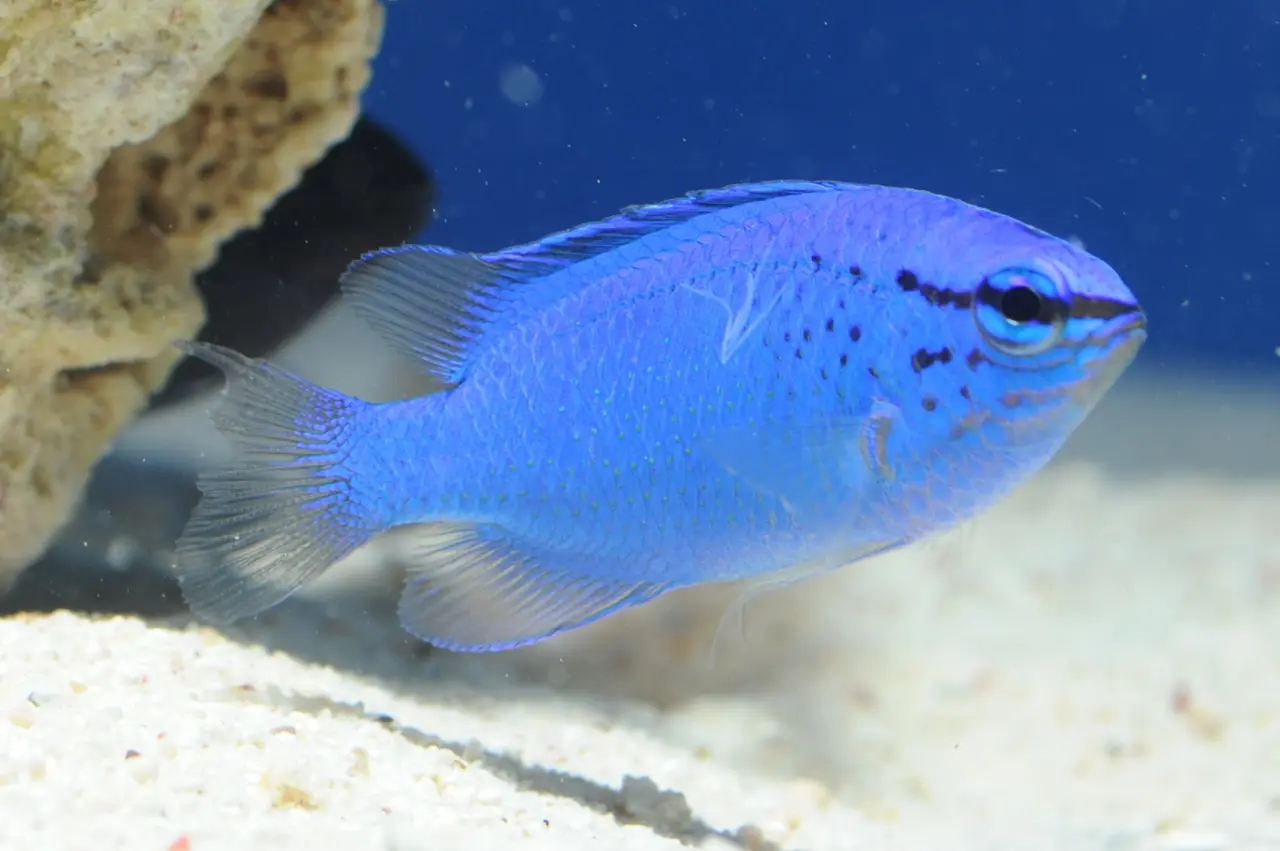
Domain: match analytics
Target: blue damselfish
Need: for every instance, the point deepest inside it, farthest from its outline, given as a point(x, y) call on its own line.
point(759, 382)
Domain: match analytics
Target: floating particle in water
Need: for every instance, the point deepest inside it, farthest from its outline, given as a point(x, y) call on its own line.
point(521, 85)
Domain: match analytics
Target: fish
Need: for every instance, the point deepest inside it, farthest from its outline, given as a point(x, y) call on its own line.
point(759, 383)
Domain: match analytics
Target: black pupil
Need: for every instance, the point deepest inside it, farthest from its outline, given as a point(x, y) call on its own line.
point(1020, 304)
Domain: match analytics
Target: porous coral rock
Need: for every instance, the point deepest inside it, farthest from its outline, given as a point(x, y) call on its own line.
point(135, 137)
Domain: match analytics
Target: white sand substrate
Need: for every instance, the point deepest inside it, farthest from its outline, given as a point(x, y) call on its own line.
point(1093, 665)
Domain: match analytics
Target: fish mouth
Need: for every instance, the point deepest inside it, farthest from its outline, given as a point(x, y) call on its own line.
point(1122, 338)
point(1114, 347)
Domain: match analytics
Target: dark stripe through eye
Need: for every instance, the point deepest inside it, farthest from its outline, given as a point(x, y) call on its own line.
point(1019, 301)
point(1024, 304)
point(1088, 307)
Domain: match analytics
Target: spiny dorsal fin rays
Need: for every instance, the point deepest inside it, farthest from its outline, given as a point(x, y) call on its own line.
point(440, 306)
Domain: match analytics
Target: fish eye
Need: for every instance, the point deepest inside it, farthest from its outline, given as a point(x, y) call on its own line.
point(1021, 311)
point(1020, 304)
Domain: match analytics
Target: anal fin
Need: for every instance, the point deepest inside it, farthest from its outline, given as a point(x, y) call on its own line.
point(476, 588)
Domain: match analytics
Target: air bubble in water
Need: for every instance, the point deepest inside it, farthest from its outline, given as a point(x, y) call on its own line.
point(521, 85)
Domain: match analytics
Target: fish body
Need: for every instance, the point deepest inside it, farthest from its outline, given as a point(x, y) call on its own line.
point(759, 382)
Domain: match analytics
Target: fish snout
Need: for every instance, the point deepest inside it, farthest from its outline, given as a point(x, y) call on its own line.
point(1113, 348)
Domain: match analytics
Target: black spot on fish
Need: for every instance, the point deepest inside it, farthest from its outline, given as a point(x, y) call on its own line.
point(817, 261)
point(844, 360)
point(823, 373)
point(923, 358)
point(871, 370)
point(799, 354)
point(909, 282)
point(808, 338)
point(941, 297)
point(786, 336)
point(974, 358)
point(842, 304)
point(856, 271)
point(855, 333)
point(964, 391)
point(929, 403)
point(831, 325)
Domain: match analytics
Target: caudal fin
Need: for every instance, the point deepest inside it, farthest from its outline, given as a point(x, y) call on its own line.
point(280, 514)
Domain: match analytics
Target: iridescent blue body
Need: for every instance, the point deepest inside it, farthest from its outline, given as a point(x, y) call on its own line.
point(760, 382)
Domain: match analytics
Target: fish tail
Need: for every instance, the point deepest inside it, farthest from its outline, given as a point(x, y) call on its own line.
point(283, 510)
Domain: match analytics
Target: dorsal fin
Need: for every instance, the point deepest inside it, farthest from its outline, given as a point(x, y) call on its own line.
point(440, 305)
point(631, 223)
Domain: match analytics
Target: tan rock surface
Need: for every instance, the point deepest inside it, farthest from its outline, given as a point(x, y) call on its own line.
point(135, 137)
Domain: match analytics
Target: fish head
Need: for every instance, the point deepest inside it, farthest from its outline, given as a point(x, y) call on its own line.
point(1048, 330)
point(1013, 341)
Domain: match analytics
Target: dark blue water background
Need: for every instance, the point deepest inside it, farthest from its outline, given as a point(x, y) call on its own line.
point(1148, 128)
